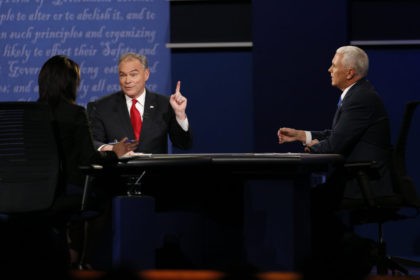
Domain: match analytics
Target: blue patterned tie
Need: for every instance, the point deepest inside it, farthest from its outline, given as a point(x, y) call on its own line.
point(340, 101)
point(337, 112)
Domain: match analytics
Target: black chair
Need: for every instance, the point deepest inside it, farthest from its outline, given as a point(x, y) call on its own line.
point(404, 204)
point(34, 211)
point(29, 158)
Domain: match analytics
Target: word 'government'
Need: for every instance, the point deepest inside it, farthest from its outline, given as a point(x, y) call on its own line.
point(94, 33)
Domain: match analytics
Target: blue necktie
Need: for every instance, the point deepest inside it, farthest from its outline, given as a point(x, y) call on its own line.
point(337, 112)
point(340, 101)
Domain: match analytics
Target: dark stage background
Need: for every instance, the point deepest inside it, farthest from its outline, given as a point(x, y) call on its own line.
point(238, 94)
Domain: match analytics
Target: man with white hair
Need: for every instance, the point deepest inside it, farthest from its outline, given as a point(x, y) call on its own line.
point(360, 131)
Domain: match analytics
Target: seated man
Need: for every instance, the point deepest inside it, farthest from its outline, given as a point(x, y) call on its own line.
point(360, 132)
point(160, 116)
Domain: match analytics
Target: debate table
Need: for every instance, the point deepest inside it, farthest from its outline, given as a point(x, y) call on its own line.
point(217, 210)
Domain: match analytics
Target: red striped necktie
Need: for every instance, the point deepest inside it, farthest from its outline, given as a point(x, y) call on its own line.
point(135, 119)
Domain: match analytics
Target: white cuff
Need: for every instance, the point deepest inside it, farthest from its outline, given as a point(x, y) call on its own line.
point(183, 123)
point(308, 138)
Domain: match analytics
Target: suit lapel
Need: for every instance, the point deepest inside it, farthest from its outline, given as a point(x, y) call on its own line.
point(338, 111)
point(123, 116)
point(150, 107)
point(336, 116)
point(344, 101)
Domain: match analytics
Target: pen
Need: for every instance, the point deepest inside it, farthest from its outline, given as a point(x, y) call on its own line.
point(126, 141)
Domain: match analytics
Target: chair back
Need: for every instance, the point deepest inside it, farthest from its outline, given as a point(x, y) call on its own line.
point(403, 183)
point(29, 159)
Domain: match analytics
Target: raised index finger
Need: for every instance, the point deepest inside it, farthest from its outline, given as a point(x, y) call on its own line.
point(178, 87)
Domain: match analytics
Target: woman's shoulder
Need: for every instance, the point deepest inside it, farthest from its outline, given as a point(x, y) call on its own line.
point(71, 112)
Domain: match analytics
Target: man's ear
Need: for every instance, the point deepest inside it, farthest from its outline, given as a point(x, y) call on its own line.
point(146, 74)
point(350, 74)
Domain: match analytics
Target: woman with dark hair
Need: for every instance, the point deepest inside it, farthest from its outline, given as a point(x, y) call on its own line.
point(58, 81)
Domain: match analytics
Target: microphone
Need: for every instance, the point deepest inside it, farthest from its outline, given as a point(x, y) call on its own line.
point(134, 188)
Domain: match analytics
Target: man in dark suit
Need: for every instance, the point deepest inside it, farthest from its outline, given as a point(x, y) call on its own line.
point(360, 132)
point(161, 115)
point(360, 129)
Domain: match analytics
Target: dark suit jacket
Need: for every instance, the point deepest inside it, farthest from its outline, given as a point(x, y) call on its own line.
point(110, 121)
point(75, 142)
point(360, 132)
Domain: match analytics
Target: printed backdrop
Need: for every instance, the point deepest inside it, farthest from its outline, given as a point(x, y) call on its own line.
point(94, 33)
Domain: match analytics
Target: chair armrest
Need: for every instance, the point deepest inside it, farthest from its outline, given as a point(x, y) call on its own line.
point(89, 171)
point(363, 172)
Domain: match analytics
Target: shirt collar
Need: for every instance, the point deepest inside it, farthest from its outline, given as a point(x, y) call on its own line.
point(345, 91)
point(140, 99)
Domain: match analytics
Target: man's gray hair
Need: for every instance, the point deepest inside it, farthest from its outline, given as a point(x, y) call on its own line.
point(131, 56)
point(356, 58)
